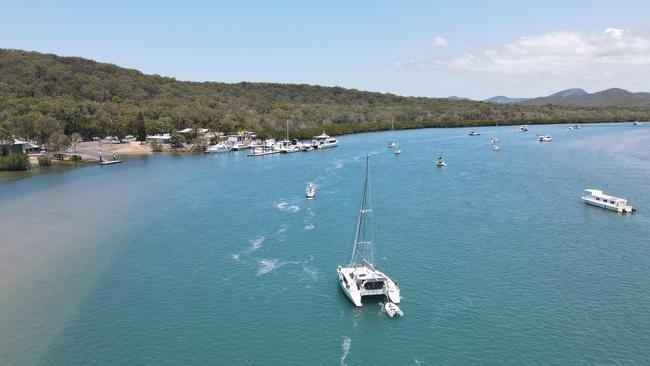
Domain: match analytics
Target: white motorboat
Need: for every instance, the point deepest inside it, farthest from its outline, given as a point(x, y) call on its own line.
point(289, 147)
point(597, 198)
point(323, 141)
point(576, 126)
point(310, 192)
point(570, 128)
point(545, 138)
point(361, 277)
point(391, 143)
point(441, 161)
point(496, 147)
point(239, 146)
point(523, 128)
point(474, 133)
point(392, 310)
point(269, 143)
point(636, 123)
point(218, 148)
point(261, 151)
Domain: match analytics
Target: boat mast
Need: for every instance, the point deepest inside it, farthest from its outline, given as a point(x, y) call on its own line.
point(362, 246)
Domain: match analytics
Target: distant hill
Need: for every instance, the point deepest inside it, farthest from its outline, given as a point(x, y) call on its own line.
point(579, 97)
point(43, 96)
point(500, 99)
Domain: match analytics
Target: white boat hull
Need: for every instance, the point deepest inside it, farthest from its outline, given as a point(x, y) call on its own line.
point(619, 209)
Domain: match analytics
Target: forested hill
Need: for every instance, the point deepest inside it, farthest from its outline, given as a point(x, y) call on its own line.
point(42, 94)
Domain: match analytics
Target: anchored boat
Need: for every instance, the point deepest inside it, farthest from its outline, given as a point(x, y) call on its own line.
point(361, 277)
point(597, 198)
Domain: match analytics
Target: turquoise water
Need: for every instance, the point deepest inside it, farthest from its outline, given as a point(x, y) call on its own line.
point(219, 259)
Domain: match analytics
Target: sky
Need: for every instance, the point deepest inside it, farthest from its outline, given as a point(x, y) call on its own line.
point(474, 49)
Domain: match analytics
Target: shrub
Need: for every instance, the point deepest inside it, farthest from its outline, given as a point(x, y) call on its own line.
point(14, 162)
point(155, 146)
point(75, 158)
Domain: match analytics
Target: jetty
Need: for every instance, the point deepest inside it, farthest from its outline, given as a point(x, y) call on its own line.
point(109, 162)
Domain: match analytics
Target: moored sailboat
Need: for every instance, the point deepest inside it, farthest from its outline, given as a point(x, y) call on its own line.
point(361, 277)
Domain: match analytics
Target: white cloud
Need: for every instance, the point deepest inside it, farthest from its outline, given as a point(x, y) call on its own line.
point(439, 42)
point(611, 51)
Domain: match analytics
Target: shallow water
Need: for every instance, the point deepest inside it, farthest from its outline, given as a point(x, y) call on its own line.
point(219, 259)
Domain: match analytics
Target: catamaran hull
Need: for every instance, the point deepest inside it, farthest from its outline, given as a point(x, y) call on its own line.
point(349, 290)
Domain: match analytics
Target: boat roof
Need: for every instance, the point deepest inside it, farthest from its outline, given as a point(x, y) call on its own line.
point(599, 193)
point(365, 273)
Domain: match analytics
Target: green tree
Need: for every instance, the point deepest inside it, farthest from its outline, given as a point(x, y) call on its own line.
point(140, 129)
point(6, 141)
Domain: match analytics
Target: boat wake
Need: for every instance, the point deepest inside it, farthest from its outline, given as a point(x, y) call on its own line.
point(309, 226)
point(266, 266)
point(282, 229)
point(269, 265)
point(346, 350)
point(256, 243)
point(288, 207)
point(338, 164)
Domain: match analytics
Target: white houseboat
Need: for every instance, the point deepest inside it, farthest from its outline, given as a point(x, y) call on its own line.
point(596, 197)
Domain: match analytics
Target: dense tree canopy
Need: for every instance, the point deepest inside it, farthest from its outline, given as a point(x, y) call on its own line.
point(41, 95)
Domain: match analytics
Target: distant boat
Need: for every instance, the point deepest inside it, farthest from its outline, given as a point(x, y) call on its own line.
point(218, 148)
point(441, 161)
point(570, 128)
point(523, 128)
point(261, 151)
point(391, 143)
point(269, 143)
point(495, 142)
point(545, 138)
point(397, 150)
point(597, 198)
point(474, 133)
point(310, 192)
point(576, 126)
point(361, 277)
point(636, 123)
point(289, 146)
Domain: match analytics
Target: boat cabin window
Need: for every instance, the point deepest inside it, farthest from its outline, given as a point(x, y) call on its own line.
point(373, 285)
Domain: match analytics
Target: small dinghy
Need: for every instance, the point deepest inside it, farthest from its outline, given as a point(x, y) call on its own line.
point(393, 310)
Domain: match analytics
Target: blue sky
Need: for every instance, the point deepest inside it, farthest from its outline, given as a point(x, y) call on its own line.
point(515, 48)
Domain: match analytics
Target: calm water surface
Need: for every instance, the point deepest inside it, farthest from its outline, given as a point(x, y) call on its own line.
point(219, 259)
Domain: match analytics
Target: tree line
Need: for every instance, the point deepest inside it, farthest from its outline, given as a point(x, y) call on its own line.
point(48, 99)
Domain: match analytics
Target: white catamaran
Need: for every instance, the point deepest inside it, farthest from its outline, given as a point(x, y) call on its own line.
point(361, 277)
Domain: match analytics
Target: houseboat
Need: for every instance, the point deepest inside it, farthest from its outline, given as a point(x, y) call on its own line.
point(597, 198)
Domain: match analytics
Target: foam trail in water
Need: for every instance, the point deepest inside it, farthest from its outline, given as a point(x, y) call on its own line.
point(266, 266)
point(346, 350)
point(257, 243)
point(288, 207)
point(282, 229)
point(235, 257)
point(338, 164)
point(309, 226)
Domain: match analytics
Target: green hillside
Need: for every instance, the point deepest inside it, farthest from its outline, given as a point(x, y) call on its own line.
point(44, 95)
